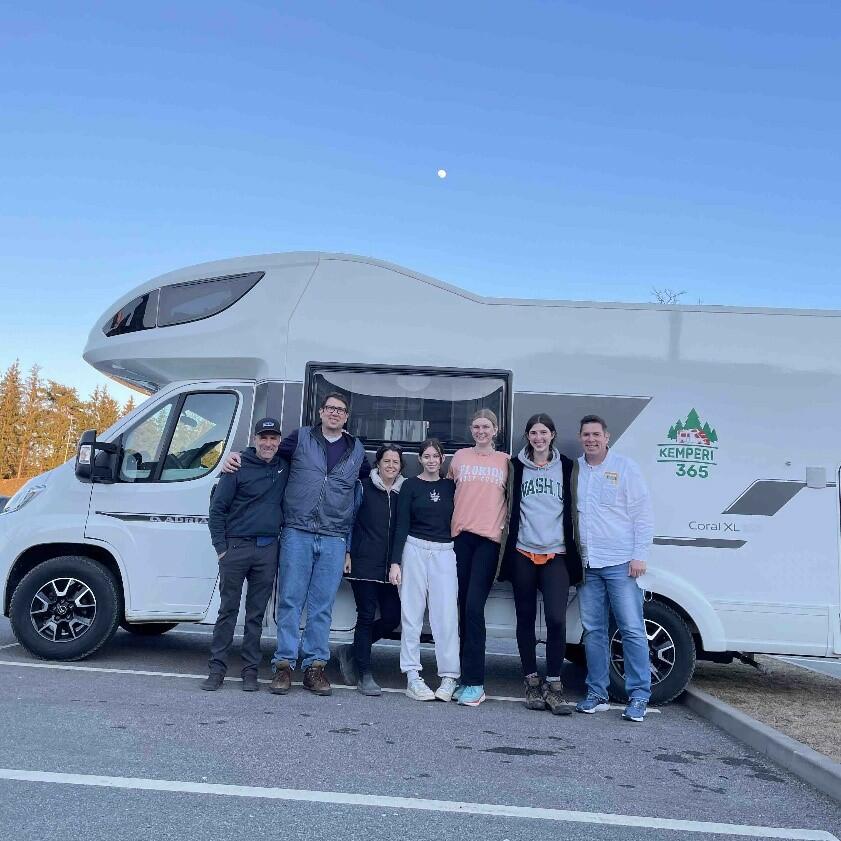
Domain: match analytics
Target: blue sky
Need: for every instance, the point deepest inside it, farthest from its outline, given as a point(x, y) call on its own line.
point(594, 149)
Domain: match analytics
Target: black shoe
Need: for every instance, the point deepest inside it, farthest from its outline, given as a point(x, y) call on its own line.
point(347, 665)
point(368, 686)
point(213, 681)
point(249, 682)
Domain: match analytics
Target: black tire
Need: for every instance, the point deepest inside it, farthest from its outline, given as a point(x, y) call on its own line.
point(80, 629)
point(671, 651)
point(147, 629)
point(575, 654)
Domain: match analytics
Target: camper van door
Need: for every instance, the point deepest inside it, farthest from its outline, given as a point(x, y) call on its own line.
point(155, 515)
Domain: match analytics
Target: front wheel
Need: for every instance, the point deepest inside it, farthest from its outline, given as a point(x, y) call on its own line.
point(147, 629)
point(671, 654)
point(65, 608)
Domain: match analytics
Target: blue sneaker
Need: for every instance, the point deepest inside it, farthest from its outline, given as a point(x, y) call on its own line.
point(592, 704)
point(457, 691)
point(471, 696)
point(635, 711)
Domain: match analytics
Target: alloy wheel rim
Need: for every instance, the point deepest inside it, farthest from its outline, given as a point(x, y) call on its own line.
point(661, 652)
point(63, 610)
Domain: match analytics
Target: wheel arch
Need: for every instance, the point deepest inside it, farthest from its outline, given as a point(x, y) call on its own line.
point(35, 555)
point(690, 603)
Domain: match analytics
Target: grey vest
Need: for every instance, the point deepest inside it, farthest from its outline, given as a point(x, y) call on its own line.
point(315, 500)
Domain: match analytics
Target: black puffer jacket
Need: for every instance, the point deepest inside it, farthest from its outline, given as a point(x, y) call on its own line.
point(573, 557)
point(373, 530)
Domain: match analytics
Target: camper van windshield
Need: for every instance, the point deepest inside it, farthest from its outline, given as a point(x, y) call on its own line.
point(410, 405)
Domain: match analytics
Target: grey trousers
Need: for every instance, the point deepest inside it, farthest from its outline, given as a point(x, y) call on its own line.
point(244, 561)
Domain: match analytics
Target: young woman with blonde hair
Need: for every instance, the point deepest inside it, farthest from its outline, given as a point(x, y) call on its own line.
point(480, 474)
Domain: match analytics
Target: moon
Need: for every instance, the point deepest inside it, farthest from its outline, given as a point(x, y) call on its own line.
point(442, 173)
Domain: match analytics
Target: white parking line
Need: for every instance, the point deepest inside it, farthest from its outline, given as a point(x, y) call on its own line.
point(10, 645)
point(813, 665)
point(68, 667)
point(381, 801)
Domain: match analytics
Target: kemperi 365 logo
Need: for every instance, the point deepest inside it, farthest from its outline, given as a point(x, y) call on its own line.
point(691, 447)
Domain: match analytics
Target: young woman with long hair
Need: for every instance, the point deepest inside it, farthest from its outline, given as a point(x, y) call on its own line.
point(541, 555)
point(481, 477)
point(424, 568)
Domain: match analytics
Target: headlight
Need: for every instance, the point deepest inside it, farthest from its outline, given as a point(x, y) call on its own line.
point(26, 494)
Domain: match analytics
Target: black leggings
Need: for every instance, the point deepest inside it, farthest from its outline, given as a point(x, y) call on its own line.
point(476, 563)
point(552, 579)
point(369, 595)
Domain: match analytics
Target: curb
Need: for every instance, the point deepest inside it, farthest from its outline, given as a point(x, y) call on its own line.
point(807, 764)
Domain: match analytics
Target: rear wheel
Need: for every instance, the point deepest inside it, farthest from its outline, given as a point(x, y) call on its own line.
point(671, 653)
point(65, 608)
point(147, 629)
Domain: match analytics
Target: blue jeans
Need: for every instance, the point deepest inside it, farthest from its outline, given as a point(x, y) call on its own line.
point(608, 589)
point(310, 570)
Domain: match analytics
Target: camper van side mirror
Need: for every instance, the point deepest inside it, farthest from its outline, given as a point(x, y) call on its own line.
point(97, 461)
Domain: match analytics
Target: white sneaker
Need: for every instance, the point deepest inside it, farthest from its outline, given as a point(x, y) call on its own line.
point(417, 690)
point(445, 691)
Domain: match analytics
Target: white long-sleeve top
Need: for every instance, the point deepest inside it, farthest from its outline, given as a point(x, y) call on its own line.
point(615, 518)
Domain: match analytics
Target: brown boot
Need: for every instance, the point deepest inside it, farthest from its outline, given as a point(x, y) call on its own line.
point(282, 679)
point(315, 680)
point(534, 693)
point(553, 695)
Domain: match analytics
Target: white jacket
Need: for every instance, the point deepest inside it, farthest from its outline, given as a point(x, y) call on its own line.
point(615, 518)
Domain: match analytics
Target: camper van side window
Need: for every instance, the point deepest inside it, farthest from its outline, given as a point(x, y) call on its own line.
point(199, 436)
point(142, 445)
point(182, 439)
point(184, 302)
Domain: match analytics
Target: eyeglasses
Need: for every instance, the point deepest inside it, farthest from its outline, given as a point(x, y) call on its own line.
point(334, 410)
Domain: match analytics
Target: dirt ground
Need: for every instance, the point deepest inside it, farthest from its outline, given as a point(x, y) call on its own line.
point(800, 703)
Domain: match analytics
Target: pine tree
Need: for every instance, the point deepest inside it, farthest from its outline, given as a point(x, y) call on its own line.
point(31, 408)
point(10, 397)
point(692, 421)
point(707, 431)
point(713, 436)
point(678, 428)
point(672, 436)
point(130, 406)
point(62, 423)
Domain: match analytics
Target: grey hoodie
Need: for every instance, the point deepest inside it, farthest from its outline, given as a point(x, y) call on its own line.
point(541, 506)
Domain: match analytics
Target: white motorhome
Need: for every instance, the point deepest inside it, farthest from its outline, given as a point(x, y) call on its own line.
point(730, 412)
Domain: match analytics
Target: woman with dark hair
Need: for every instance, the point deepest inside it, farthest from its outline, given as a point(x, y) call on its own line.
point(366, 565)
point(423, 565)
point(541, 554)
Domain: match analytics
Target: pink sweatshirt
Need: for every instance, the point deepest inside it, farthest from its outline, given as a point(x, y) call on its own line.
point(480, 505)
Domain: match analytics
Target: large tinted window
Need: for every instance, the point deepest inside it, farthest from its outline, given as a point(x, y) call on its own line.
point(184, 302)
point(408, 405)
point(138, 314)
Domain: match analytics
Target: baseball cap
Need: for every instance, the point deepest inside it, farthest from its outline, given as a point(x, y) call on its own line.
point(267, 425)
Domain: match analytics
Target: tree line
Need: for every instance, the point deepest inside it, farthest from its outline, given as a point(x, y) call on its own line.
point(41, 420)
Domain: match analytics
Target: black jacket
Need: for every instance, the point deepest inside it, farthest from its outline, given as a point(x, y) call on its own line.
point(573, 558)
point(248, 503)
point(373, 532)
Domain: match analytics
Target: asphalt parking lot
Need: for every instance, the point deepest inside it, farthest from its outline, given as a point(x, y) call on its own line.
point(126, 746)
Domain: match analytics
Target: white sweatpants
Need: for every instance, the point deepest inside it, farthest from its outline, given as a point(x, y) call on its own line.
point(428, 572)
